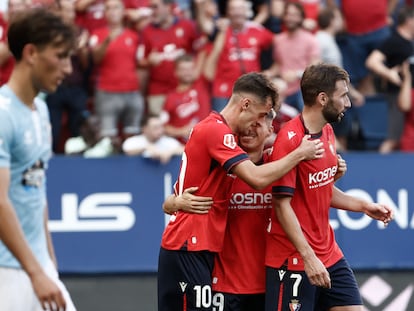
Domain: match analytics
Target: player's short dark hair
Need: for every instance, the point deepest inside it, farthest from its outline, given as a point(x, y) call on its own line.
point(40, 27)
point(319, 78)
point(258, 85)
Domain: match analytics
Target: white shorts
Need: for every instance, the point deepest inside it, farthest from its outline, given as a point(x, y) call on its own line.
point(17, 294)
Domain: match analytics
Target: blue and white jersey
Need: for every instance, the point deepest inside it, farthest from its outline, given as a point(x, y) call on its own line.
point(25, 148)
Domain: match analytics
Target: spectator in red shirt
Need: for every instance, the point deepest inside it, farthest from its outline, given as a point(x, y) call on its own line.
point(165, 39)
point(236, 51)
point(114, 50)
point(189, 103)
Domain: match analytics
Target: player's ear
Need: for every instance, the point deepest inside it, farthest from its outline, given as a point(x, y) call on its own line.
point(29, 53)
point(323, 98)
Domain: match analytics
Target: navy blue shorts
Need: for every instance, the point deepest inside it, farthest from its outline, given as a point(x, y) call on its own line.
point(184, 280)
point(238, 302)
point(294, 291)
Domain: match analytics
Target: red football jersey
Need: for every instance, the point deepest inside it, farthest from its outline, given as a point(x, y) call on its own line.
point(239, 268)
point(209, 155)
point(310, 184)
point(117, 71)
point(173, 42)
point(240, 54)
point(189, 106)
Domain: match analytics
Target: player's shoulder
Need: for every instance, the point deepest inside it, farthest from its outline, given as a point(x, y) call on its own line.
point(292, 128)
point(211, 127)
point(6, 99)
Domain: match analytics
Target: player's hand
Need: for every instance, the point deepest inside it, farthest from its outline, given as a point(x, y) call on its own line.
point(190, 203)
point(341, 168)
point(48, 292)
point(379, 212)
point(312, 149)
point(317, 273)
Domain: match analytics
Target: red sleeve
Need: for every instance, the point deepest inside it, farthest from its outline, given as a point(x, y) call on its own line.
point(281, 147)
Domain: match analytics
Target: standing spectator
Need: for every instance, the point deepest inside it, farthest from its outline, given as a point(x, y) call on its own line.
point(189, 103)
point(6, 58)
point(190, 241)
point(41, 44)
point(367, 26)
point(236, 51)
point(153, 143)
point(114, 51)
point(386, 62)
point(294, 49)
point(305, 266)
point(165, 39)
point(71, 96)
point(330, 23)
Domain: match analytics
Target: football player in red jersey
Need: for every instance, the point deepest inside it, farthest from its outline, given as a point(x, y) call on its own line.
point(306, 269)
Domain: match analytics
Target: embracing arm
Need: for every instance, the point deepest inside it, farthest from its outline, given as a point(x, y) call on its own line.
point(314, 268)
point(12, 236)
point(261, 176)
point(187, 202)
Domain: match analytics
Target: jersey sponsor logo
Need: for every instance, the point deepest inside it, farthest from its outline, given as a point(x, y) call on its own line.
point(251, 200)
point(321, 178)
point(96, 212)
point(183, 286)
point(294, 305)
point(188, 108)
point(291, 134)
point(248, 54)
point(229, 141)
point(171, 52)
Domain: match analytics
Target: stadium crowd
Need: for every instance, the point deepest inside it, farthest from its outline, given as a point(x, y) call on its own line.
point(178, 61)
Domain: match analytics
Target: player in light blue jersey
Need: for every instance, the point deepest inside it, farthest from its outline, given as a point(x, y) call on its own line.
point(41, 44)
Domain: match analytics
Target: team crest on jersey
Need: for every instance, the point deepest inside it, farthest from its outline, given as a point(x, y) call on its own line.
point(229, 141)
point(294, 305)
point(252, 41)
point(179, 32)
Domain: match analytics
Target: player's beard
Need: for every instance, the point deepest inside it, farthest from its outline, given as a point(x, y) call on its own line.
point(331, 114)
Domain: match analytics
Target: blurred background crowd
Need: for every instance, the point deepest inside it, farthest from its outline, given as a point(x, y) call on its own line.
point(145, 71)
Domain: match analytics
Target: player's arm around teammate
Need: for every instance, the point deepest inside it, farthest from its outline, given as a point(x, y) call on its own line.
point(187, 202)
